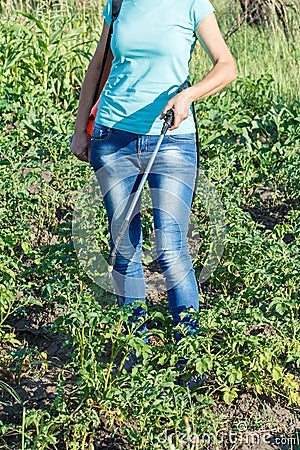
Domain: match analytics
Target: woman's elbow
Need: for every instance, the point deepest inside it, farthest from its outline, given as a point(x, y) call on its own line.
point(231, 70)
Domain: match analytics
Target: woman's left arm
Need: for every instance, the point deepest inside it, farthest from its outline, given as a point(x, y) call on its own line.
point(223, 72)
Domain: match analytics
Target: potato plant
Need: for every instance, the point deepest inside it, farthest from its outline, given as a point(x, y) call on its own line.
point(249, 332)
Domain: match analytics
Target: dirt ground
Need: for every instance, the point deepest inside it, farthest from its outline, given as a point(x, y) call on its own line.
point(279, 425)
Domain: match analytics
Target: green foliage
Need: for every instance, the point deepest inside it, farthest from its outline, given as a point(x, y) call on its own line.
point(259, 50)
point(249, 332)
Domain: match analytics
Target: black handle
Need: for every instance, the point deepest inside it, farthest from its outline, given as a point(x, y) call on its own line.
point(113, 254)
point(169, 118)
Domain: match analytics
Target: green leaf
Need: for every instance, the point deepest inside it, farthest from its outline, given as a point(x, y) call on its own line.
point(259, 389)
point(235, 377)
point(277, 373)
point(34, 19)
point(147, 259)
point(280, 308)
point(204, 364)
point(229, 396)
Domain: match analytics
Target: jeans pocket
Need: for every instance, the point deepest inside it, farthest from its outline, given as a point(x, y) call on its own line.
point(101, 133)
point(182, 138)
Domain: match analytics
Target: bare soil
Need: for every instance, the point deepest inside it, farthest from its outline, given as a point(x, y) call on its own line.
point(254, 423)
point(275, 426)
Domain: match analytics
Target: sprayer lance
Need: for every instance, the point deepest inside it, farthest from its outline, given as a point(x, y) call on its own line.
point(168, 120)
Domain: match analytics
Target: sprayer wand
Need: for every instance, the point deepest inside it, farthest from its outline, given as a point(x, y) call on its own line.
point(168, 120)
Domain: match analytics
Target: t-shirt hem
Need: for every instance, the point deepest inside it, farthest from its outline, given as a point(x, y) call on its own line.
point(154, 131)
point(207, 14)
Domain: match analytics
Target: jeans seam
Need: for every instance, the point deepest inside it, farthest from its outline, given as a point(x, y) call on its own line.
point(181, 140)
point(138, 147)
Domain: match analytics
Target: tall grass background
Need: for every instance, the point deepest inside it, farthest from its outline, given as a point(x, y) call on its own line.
point(256, 50)
point(259, 51)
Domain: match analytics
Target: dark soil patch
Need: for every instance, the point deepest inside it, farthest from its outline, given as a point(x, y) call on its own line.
point(269, 213)
point(34, 367)
point(259, 424)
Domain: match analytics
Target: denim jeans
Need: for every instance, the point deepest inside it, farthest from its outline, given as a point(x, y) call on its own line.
point(119, 159)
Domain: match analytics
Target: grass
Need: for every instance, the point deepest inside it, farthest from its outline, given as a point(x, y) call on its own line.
point(248, 343)
point(257, 51)
point(260, 51)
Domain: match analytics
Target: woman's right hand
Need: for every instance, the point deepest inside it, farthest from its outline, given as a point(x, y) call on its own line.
point(80, 145)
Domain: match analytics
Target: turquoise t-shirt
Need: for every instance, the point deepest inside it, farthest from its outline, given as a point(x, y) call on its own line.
point(152, 43)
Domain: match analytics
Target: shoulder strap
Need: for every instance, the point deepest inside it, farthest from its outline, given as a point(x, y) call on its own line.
point(116, 6)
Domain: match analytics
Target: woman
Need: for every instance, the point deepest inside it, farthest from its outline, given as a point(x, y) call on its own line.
point(151, 46)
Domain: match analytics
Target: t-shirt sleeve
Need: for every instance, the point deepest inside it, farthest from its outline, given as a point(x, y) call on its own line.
point(201, 9)
point(107, 12)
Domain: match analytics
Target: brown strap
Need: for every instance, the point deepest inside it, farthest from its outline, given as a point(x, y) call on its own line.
point(116, 6)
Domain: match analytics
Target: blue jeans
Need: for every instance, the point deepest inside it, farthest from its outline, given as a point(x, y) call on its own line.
point(119, 159)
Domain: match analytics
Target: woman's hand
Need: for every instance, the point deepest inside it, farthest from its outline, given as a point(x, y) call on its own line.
point(180, 104)
point(80, 146)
